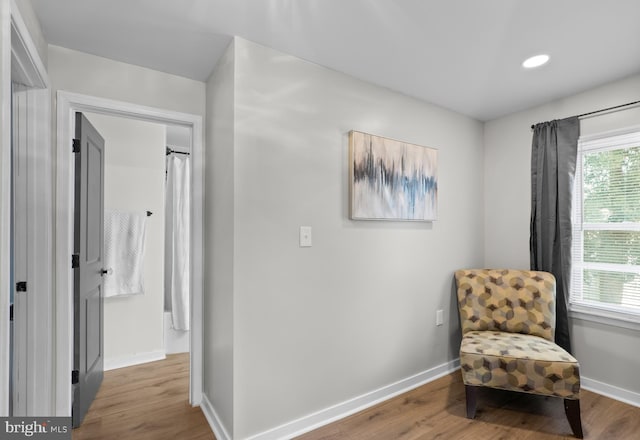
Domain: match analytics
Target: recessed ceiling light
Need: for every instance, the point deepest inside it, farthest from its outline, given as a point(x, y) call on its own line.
point(535, 61)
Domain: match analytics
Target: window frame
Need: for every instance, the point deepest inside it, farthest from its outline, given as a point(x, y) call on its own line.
point(578, 307)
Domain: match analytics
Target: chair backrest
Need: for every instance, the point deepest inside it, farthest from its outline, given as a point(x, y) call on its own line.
point(507, 300)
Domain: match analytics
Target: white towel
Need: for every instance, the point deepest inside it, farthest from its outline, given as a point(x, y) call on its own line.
point(124, 234)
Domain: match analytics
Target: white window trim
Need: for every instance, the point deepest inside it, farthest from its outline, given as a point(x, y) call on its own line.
point(603, 315)
point(598, 312)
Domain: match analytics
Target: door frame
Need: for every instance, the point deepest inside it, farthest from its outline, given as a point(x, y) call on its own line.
point(67, 104)
point(20, 60)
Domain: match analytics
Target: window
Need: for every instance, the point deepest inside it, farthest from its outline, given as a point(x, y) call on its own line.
point(606, 226)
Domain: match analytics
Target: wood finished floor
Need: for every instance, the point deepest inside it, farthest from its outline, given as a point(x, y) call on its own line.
point(150, 401)
point(437, 411)
point(145, 402)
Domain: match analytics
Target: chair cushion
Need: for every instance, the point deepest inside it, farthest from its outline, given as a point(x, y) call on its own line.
point(508, 300)
point(518, 362)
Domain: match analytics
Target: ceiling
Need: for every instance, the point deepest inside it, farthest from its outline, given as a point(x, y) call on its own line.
point(464, 55)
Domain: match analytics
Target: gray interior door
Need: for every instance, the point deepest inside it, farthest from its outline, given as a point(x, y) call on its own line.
point(88, 358)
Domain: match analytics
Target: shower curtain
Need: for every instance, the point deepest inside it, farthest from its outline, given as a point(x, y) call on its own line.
point(177, 266)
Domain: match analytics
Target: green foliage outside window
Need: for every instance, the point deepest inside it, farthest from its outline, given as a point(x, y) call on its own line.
point(611, 185)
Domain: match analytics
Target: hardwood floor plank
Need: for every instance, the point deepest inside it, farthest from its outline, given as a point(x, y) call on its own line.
point(437, 410)
point(150, 402)
point(145, 402)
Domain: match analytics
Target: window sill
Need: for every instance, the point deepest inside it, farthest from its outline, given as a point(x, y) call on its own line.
point(603, 316)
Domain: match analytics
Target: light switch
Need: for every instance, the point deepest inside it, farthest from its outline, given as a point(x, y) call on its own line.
point(305, 236)
point(439, 317)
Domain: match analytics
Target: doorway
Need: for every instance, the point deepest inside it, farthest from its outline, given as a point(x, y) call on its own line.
point(146, 194)
point(141, 188)
point(68, 104)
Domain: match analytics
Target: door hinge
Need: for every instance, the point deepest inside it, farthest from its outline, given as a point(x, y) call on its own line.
point(76, 145)
point(21, 286)
point(75, 377)
point(75, 261)
point(11, 312)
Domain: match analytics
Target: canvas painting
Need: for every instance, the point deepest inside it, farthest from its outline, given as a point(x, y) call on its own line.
point(392, 180)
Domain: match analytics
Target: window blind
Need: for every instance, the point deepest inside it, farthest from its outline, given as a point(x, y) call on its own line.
point(606, 224)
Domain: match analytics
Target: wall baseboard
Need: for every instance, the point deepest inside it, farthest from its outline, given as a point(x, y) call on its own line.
point(136, 359)
point(214, 421)
point(359, 403)
point(612, 391)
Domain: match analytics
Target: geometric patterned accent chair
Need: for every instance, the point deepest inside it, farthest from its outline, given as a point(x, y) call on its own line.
point(508, 323)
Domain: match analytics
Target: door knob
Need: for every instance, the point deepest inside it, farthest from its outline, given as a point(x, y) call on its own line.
point(106, 271)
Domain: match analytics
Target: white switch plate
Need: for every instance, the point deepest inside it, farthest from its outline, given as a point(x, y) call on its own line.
point(305, 236)
point(439, 317)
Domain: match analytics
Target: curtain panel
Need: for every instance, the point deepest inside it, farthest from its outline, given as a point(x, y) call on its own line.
point(177, 241)
point(553, 164)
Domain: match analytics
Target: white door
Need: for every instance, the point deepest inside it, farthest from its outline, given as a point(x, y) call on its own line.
point(19, 246)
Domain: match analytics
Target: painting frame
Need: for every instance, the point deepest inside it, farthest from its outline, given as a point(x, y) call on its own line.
point(391, 180)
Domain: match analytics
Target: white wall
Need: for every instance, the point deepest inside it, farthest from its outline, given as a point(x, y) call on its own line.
point(79, 72)
point(134, 181)
point(219, 241)
point(30, 19)
point(314, 327)
point(605, 352)
point(179, 137)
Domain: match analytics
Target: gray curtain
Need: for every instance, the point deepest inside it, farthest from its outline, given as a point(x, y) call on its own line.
point(553, 165)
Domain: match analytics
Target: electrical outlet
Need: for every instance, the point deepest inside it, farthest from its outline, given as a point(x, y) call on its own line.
point(439, 317)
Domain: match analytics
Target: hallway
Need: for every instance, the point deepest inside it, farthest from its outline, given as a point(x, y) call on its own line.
point(147, 401)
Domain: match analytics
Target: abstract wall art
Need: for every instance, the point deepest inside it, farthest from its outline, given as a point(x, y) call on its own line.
point(392, 180)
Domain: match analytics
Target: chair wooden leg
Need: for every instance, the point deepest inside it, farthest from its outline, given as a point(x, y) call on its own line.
point(572, 410)
point(471, 393)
